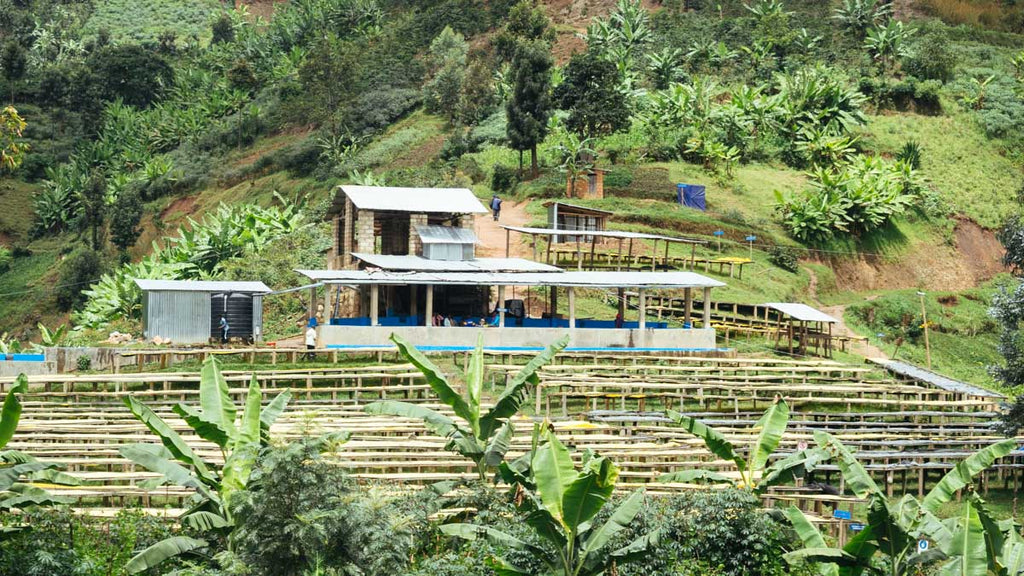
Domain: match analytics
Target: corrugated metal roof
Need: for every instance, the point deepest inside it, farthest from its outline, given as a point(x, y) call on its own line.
point(201, 286)
point(428, 200)
point(577, 207)
point(801, 312)
point(576, 279)
point(421, 264)
point(602, 234)
point(937, 380)
point(445, 235)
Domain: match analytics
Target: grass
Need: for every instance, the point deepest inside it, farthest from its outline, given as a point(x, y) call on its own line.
point(26, 290)
point(145, 21)
point(959, 161)
point(993, 14)
point(17, 216)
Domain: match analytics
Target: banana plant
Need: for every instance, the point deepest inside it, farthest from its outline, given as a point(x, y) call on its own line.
point(894, 529)
point(754, 473)
point(216, 420)
point(20, 473)
point(485, 438)
point(560, 502)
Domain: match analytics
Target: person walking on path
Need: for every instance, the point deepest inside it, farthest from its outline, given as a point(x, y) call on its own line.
point(496, 206)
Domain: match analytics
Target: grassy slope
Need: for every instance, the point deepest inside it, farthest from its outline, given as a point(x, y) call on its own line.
point(145, 21)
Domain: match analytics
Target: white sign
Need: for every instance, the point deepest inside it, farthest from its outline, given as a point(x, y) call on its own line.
point(922, 545)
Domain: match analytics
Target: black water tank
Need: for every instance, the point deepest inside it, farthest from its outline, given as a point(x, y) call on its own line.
point(237, 309)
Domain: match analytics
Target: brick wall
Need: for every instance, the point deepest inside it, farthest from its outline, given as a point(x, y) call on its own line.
point(364, 241)
point(415, 245)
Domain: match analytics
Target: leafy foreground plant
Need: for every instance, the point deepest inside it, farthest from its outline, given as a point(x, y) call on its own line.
point(895, 529)
point(559, 503)
point(754, 474)
point(216, 420)
point(20, 472)
point(483, 439)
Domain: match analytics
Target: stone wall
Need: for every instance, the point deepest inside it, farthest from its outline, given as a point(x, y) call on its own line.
point(364, 239)
point(415, 245)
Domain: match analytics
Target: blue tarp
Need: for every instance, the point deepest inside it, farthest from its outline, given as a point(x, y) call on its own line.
point(23, 357)
point(509, 322)
point(691, 195)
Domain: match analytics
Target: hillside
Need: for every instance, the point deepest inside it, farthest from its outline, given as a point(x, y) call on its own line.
point(882, 148)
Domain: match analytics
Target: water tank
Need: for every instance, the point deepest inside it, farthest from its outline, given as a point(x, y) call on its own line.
point(237, 309)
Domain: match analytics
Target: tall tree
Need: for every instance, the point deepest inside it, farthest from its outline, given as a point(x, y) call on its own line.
point(125, 215)
point(526, 22)
point(447, 59)
point(589, 92)
point(93, 200)
point(13, 62)
point(529, 107)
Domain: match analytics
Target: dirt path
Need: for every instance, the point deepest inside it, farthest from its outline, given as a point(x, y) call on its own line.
point(841, 329)
point(491, 235)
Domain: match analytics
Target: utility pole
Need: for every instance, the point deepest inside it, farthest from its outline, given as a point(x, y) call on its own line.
point(924, 319)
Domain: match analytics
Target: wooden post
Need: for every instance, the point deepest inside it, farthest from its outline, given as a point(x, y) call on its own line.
point(327, 303)
point(693, 256)
point(828, 347)
point(642, 306)
point(654, 256)
point(429, 306)
point(924, 320)
point(688, 307)
point(508, 243)
point(414, 306)
point(572, 306)
point(630, 259)
point(553, 302)
point(312, 302)
point(622, 302)
point(501, 306)
point(593, 246)
point(374, 303)
point(707, 308)
point(533, 239)
point(619, 266)
point(666, 253)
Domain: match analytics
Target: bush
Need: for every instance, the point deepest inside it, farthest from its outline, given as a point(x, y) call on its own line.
point(82, 268)
point(929, 56)
point(375, 110)
point(83, 363)
point(131, 73)
point(784, 257)
point(5, 259)
point(504, 180)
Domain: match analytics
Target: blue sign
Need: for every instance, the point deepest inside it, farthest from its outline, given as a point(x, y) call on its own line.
point(842, 514)
point(751, 238)
point(719, 233)
point(922, 545)
point(855, 527)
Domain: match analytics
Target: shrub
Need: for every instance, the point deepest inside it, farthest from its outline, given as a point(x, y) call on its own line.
point(930, 57)
point(504, 180)
point(910, 153)
point(129, 72)
point(375, 110)
point(82, 268)
point(784, 257)
point(83, 363)
point(5, 259)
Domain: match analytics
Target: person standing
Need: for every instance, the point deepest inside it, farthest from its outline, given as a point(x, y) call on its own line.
point(310, 341)
point(496, 206)
point(224, 328)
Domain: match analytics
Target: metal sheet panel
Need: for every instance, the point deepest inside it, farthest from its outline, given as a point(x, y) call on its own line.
point(801, 312)
point(181, 317)
point(604, 234)
point(414, 200)
point(445, 235)
point(938, 380)
point(421, 264)
point(201, 286)
point(667, 280)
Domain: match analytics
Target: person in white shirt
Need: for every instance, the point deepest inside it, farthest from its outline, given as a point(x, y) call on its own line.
point(310, 341)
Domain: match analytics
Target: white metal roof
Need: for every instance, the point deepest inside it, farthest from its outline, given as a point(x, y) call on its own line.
point(578, 207)
point(933, 378)
point(601, 233)
point(200, 286)
point(445, 235)
point(801, 312)
point(429, 200)
point(576, 279)
point(420, 264)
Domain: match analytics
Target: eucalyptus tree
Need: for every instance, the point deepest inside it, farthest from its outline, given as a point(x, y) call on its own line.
point(239, 438)
point(560, 503)
point(483, 438)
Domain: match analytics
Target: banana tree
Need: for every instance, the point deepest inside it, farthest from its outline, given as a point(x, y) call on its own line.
point(215, 420)
point(894, 530)
point(20, 473)
point(486, 438)
point(754, 473)
point(560, 502)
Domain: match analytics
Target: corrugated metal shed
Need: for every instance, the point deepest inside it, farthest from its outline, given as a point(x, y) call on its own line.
point(182, 311)
point(577, 209)
point(201, 286)
point(414, 200)
point(603, 234)
point(421, 264)
point(938, 380)
point(445, 235)
point(576, 279)
point(801, 312)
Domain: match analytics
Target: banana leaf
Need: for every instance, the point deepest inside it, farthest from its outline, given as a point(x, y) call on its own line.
point(714, 440)
point(157, 459)
point(618, 522)
point(796, 465)
point(11, 412)
point(475, 385)
point(499, 445)
point(857, 478)
point(968, 548)
point(553, 473)
point(214, 398)
point(695, 477)
point(770, 427)
point(163, 550)
point(964, 471)
point(588, 493)
point(435, 378)
point(169, 438)
point(512, 398)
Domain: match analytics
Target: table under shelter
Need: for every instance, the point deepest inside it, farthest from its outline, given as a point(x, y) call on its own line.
point(619, 260)
point(413, 299)
point(803, 327)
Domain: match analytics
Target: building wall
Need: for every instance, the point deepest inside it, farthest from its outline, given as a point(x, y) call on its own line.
point(181, 317)
point(415, 245)
point(517, 337)
point(364, 239)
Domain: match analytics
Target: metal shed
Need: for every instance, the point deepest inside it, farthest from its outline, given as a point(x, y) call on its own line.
point(447, 242)
point(189, 311)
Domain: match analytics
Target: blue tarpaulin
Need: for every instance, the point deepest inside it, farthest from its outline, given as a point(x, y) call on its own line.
point(691, 195)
